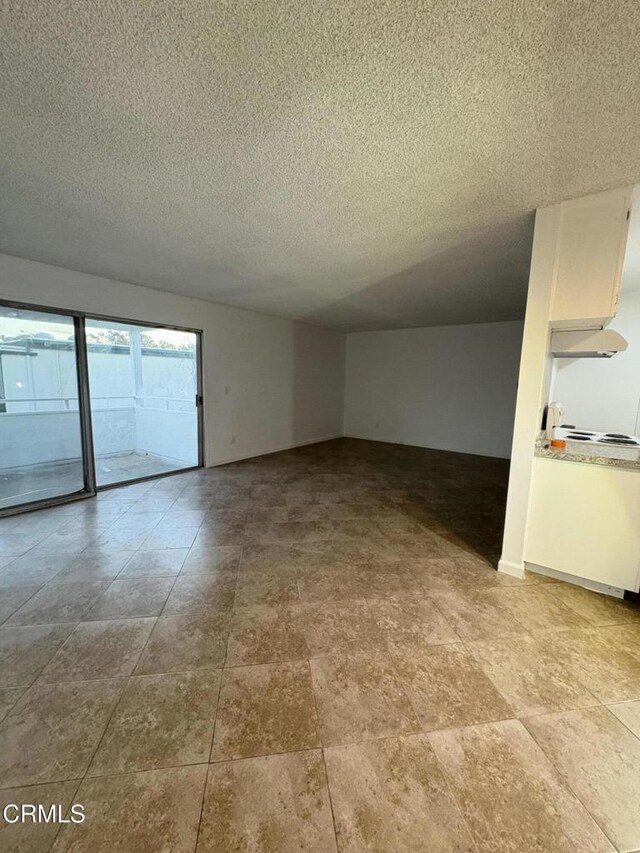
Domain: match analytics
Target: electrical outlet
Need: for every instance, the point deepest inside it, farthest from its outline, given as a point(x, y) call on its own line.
point(226, 390)
point(233, 439)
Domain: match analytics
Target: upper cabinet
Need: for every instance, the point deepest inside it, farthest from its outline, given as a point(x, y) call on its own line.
point(589, 257)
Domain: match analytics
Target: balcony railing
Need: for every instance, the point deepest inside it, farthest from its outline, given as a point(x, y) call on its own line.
point(70, 404)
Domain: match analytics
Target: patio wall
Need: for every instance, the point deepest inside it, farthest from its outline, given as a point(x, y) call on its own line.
point(42, 437)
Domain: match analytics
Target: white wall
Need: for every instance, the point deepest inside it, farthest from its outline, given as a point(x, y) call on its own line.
point(285, 380)
point(446, 387)
point(604, 394)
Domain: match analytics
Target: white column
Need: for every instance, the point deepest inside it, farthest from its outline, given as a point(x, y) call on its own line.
point(533, 384)
point(135, 344)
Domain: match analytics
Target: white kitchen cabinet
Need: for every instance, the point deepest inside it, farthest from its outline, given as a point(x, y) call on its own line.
point(589, 256)
point(584, 520)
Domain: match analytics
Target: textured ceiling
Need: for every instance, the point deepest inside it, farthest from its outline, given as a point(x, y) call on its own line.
point(359, 163)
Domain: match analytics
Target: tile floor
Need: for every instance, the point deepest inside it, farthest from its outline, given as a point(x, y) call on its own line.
point(310, 652)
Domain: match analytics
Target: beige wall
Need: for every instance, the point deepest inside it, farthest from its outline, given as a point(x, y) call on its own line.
point(446, 387)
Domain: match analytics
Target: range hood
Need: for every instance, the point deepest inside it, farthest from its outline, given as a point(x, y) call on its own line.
point(587, 343)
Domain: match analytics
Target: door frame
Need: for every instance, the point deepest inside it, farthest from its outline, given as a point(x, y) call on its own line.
point(84, 415)
point(84, 404)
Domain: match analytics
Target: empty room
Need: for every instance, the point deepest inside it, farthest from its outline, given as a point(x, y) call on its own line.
point(319, 426)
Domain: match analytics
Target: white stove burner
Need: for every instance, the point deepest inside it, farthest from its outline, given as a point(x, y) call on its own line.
point(588, 442)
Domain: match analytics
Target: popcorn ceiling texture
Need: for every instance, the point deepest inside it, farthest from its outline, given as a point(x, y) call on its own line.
point(361, 164)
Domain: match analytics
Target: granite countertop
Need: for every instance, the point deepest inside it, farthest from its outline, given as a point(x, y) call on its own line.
point(543, 450)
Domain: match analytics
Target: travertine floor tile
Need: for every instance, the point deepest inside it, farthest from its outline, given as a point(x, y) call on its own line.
point(186, 642)
point(329, 584)
point(444, 573)
point(275, 587)
point(146, 812)
point(311, 512)
point(629, 714)
point(275, 804)
point(602, 659)
point(626, 637)
point(197, 592)
point(67, 542)
point(265, 709)
point(538, 608)
point(447, 687)
point(137, 521)
point(170, 537)
point(595, 608)
point(125, 599)
point(160, 721)
point(388, 581)
point(13, 597)
point(25, 650)
point(340, 628)
point(52, 732)
point(360, 697)
point(221, 532)
point(26, 836)
point(411, 623)
point(357, 529)
point(16, 544)
point(264, 634)
point(32, 569)
point(8, 698)
point(224, 558)
point(99, 650)
point(65, 602)
point(91, 568)
point(373, 566)
point(118, 541)
point(531, 675)
point(271, 513)
point(284, 557)
point(390, 795)
point(475, 615)
point(448, 572)
point(183, 518)
point(289, 531)
point(511, 796)
point(600, 760)
point(164, 563)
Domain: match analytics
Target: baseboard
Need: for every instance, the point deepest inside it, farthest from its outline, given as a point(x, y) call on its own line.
point(279, 449)
point(604, 588)
point(516, 570)
point(385, 440)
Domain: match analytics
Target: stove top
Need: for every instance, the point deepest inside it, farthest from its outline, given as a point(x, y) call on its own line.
point(610, 443)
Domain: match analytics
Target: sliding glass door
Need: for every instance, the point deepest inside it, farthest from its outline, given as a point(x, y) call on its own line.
point(42, 434)
point(88, 403)
point(143, 383)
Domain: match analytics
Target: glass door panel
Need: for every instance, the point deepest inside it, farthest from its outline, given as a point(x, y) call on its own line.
point(143, 382)
point(41, 438)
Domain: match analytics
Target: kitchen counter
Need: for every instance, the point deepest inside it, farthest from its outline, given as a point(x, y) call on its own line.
point(605, 458)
